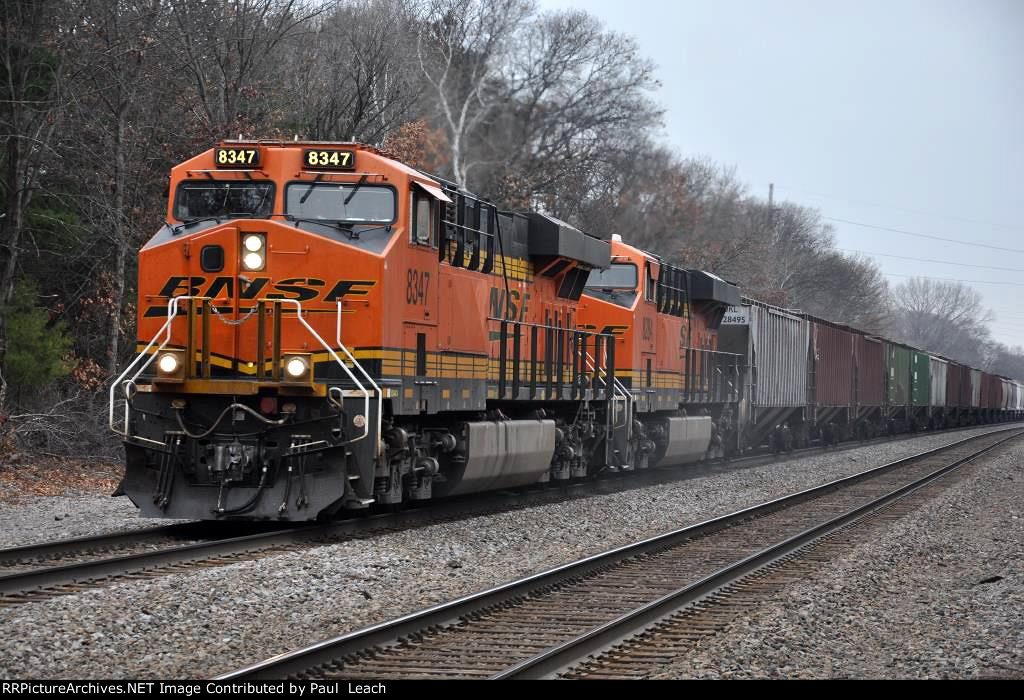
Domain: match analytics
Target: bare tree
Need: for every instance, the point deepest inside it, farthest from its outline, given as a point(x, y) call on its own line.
point(462, 47)
point(226, 46)
point(354, 74)
point(575, 98)
point(943, 317)
point(640, 190)
point(31, 68)
point(114, 106)
point(1007, 361)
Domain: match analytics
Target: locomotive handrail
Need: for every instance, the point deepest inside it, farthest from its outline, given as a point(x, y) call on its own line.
point(330, 351)
point(561, 340)
point(369, 379)
point(172, 311)
point(618, 389)
point(165, 330)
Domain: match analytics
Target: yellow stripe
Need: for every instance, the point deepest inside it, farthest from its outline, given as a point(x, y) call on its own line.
point(443, 365)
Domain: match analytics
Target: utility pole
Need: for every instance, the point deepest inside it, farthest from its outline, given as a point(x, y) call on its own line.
point(771, 206)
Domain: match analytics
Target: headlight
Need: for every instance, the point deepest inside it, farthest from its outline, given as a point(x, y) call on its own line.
point(168, 364)
point(252, 261)
point(171, 366)
point(254, 251)
point(253, 243)
point(295, 367)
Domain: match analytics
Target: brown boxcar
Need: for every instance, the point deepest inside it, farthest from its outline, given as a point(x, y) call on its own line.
point(869, 354)
point(991, 391)
point(832, 364)
point(954, 383)
point(965, 386)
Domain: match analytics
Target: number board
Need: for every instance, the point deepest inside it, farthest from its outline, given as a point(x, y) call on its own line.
point(234, 157)
point(328, 159)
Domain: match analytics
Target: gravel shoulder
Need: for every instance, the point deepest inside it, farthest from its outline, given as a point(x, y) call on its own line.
point(44, 518)
point(201, 623)
point(938, 595)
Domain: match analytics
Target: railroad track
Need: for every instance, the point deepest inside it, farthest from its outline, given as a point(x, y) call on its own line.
point(79, 549)
point(548, 624)
point(51, 569)
point(38, 572)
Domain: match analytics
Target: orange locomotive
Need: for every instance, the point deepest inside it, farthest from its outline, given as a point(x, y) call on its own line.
point(323, 328)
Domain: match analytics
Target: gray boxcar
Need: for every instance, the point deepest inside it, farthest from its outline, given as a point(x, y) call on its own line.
point(975, 388)
point(778, 342)
point(939, 368)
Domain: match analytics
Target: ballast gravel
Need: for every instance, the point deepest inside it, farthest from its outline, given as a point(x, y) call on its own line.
point(209, 621)
point(938, 595)
point(43, 519)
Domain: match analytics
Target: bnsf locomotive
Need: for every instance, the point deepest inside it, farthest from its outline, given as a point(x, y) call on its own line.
point(325, 329)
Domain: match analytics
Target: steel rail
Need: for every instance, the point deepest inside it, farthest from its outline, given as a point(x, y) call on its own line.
point(559, 658)
point(75, 545)
point(472, 505)
point(764, 456)
point(448, 613)
point(56, 576)
point(51, 578)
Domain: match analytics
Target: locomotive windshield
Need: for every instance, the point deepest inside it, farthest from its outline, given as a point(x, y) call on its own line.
point(618, 276)
point(341, 202)
point(616, 284)
point(223, 200)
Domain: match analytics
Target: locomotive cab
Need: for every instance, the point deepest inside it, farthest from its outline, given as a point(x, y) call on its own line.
point(665, 322)
point(244, 401)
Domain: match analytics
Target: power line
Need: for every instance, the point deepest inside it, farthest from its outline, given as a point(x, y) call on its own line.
point(903, 209)
point(966, 281)
point(942, 262)
point(925, 235)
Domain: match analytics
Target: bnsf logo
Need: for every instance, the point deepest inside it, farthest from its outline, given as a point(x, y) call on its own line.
point(298, 288)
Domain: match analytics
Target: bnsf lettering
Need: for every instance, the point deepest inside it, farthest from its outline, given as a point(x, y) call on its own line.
point(225, 287)
point(251, 290)
point(182, 286)
point(349, 288)
point(514, 310)
point(297, 288)
point(607, 330)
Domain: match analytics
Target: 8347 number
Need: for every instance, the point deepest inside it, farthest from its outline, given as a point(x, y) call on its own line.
point(416, 288)
point(328, 159)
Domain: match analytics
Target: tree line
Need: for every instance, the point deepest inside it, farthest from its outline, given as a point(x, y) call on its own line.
point(544, 110)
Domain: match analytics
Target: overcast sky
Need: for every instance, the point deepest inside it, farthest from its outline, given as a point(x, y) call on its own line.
point(899, 114)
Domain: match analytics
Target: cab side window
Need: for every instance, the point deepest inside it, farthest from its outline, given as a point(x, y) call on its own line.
point(423, 220)
point(651, 284)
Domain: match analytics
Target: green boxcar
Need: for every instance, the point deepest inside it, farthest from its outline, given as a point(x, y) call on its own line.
point(897, 374)
point(920, 379)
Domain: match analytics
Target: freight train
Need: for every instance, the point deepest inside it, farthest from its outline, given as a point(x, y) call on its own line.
point(324, 329)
